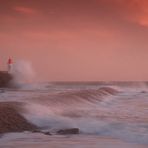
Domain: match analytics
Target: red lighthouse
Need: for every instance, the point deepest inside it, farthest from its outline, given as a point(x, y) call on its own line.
point(10, 62)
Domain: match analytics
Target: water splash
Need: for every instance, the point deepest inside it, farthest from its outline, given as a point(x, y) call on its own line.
point(22, 72)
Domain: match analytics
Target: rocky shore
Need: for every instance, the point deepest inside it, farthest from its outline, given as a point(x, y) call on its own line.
point(5, 79)
point(11, 120)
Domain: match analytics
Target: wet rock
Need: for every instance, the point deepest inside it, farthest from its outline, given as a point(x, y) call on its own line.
point(68, 131)
point(5, 79)
point(47, 133)
point(11, 119)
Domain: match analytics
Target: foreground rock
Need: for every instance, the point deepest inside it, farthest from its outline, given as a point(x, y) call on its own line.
point(5, 79)
point(68, 131)
point(11, 120)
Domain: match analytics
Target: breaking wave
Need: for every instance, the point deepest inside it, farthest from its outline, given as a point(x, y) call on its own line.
point(103, 109)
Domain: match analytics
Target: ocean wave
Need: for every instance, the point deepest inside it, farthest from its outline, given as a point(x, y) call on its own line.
point(98, 110)
point(77, 96)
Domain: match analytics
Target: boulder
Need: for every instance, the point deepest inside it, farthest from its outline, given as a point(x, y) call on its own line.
point(46, 133)
point(68, 131)
point(11, 119)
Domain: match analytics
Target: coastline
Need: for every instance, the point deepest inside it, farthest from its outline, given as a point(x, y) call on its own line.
point(5, 79)
point(11, 120)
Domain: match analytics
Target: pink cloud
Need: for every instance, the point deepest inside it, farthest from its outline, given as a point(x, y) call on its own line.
point(138, 12)
point(25, 10)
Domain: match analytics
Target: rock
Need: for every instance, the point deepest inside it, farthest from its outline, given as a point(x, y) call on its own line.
point(5, 79)
point(68, 131)
point(47, 133)
point(11, 119)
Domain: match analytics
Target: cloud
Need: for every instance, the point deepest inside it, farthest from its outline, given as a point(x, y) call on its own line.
point(25, 10)
point(143, 15)
point(138, 11)
point(134, 11)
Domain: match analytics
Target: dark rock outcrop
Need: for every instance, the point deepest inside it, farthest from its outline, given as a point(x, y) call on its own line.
point(11, 120)
point(68, 131)
point(5, 78)
point(46, 133)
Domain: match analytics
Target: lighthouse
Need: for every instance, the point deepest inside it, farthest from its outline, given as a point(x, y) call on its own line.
point(9, 63)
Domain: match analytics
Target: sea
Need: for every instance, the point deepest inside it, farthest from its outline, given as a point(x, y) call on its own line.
point(107, 114)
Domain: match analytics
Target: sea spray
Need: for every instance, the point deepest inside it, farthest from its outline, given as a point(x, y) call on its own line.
point(22, 72)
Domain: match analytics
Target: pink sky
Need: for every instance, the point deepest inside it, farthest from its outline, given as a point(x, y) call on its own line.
point(77, 40)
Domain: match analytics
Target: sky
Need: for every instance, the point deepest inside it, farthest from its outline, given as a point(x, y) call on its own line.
point(77, 40)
